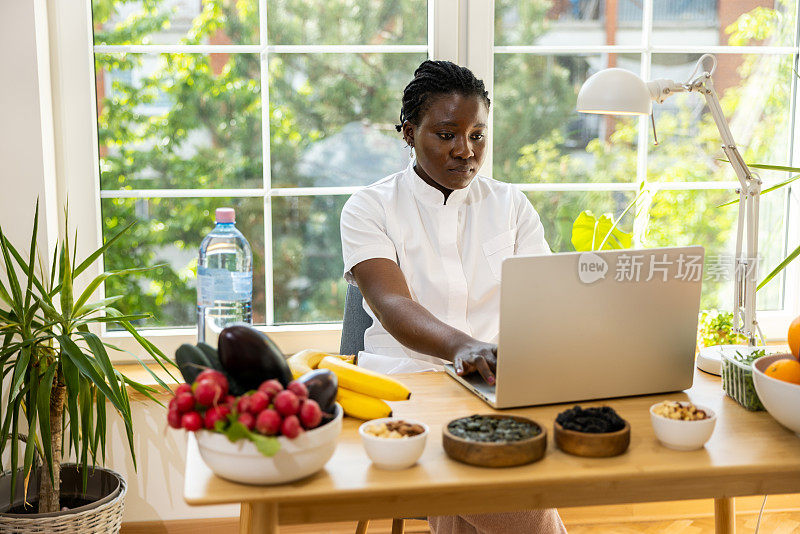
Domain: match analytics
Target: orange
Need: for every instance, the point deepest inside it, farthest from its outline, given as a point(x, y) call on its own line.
point(786, 370)
point(794, 337)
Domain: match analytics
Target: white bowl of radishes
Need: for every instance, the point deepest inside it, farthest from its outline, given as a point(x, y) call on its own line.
point(270, 436)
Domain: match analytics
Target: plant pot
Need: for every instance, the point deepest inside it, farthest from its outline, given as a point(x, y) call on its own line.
point(105, 488)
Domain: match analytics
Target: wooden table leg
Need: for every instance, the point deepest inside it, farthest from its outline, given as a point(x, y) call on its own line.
point(398, 525)
point(245, 516)
point(258, 518)
point(362, 526)
point(724, 516)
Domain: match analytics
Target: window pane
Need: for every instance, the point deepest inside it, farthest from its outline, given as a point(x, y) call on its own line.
point(538, 135)
point(307, 258)
point(559, 209)
point(186, 121)
point(168, 231)
point(568, 23)
point(376, 22)
point(754, 91)
point(332, 117)
point(772, 230)
point(724, 22)
point(118, 22)
point(681, 218)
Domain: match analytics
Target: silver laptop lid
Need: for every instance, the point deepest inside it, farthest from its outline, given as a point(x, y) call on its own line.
point(579, 326)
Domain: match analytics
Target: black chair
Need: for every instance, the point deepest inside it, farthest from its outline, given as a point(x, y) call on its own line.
point(354, 324)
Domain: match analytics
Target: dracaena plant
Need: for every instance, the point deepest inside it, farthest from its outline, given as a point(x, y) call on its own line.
point(57, 369)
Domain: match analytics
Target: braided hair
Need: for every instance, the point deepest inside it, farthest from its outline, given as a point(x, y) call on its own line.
point(437, 78)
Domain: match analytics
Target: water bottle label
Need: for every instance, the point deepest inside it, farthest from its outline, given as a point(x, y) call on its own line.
point(215, 285)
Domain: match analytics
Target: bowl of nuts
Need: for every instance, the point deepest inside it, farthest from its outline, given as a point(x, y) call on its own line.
point(682, 426)
point(393, 443)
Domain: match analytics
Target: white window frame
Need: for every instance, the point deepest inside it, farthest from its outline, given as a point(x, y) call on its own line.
point(458, 30)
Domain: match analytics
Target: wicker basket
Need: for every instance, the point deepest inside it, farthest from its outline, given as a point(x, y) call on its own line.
point(101, 517)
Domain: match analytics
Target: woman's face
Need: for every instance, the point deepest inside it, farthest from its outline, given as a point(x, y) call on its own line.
point(450, 140)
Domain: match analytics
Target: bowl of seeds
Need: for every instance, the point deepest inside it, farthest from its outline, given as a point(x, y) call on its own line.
point(393, 443)
point(596, 432)
point(494, 440)
point(682, 426)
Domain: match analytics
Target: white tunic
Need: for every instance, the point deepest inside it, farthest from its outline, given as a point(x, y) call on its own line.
point(450, 254)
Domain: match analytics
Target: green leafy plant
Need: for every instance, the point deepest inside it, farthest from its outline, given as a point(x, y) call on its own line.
point(590, 232)
point(715, 327)
point(61, 375)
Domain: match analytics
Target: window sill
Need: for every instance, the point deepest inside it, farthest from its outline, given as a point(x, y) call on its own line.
point(289, 338)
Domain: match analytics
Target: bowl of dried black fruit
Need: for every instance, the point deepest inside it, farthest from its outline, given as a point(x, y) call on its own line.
point(494, 440)
point(593, 432)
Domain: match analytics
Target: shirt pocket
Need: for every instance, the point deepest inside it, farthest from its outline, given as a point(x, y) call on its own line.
point(497, 249)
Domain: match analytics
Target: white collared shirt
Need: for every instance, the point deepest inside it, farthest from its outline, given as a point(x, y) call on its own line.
point(450, 254)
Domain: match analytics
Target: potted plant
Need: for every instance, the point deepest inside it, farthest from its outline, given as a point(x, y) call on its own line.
point(59, 377)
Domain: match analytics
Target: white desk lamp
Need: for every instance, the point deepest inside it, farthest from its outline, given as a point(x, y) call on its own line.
point(620, 92)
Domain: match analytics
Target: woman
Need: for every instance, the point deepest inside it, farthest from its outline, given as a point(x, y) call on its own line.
point(425, 247)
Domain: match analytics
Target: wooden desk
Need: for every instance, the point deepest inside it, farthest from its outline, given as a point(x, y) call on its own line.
point(749, 454)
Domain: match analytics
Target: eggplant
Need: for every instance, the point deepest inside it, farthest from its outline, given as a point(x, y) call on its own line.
point(322, 386)
point(191, 362)
point(250, 357)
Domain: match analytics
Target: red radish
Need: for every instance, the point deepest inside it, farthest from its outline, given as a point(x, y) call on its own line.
point(173, 404)
point(183, 388)
point(243, 404)
point(216, 376)
point(310, 414)
point(286, 403)
point(184, 402)
point(214, 414)
point(268, 422)
point(191, 421)
point(174, 418)
point(247, 420)
point(208, 392)
point(230, 401)
point(270, 387)
point(291, 427)
point(299, 389)
point(258, 403)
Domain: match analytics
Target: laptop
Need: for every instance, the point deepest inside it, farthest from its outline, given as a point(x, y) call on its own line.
point(579, 326)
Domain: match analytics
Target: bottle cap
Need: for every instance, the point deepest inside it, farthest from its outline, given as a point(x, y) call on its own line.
point(225, 215)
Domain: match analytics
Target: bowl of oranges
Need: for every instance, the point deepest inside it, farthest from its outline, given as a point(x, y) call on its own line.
point(777, 381)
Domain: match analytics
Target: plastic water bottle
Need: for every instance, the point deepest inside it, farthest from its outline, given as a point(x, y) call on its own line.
point(224, 278)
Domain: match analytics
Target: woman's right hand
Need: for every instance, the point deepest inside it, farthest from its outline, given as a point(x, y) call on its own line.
point(476, 356)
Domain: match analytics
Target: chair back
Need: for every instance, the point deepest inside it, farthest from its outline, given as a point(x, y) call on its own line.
point(355, 322)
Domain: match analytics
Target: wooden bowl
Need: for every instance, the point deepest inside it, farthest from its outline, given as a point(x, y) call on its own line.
point(592, 445)
point(496, 454)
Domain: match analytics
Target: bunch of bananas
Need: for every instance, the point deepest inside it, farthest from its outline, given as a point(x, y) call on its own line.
point(361, 392)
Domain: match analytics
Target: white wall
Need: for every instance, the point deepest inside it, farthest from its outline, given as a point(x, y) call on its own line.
point(27, 172)
point(155, 492)
point(26, 135)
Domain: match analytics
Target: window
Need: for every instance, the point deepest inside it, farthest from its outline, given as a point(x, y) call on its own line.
point(282, 108)
point(545, 50)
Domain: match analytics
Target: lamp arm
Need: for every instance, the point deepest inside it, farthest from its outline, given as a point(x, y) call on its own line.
point(745, 261)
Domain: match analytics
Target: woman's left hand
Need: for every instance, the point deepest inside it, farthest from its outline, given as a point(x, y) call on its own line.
point(476, 356)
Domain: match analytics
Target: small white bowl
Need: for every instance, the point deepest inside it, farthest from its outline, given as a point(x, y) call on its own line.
point(683, 435)
point(781, 399)
point(296, 459)
point(393, 453)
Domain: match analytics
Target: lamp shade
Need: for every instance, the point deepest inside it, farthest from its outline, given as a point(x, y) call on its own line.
point(614, 92)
